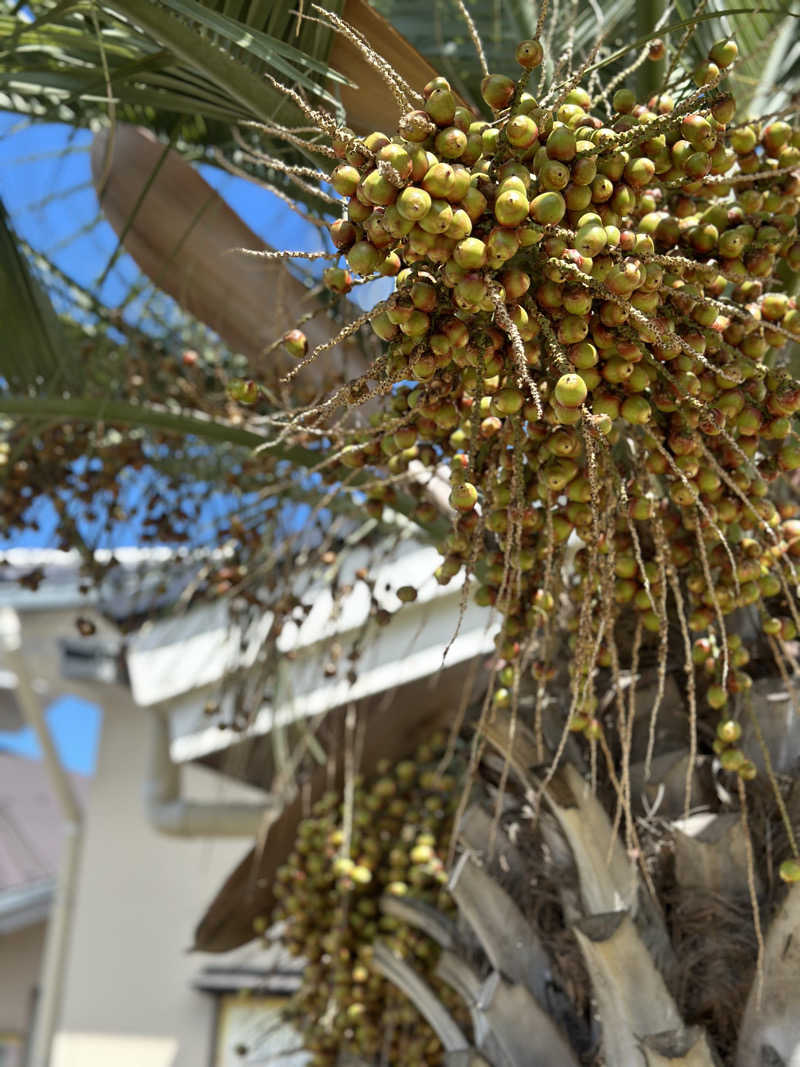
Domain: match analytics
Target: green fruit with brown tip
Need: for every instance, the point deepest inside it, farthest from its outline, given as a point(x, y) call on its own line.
point(501, 245)
point(789, 457)
point(515, 282)
point(376, 140)
point(441, 106)
point(343, 233)
point(463, 497)
point(529, 54)
point(439, 82)
point(639, 172)
point(470, 254)
point(450, 142)
point(561, 144)
point(413, 203)
point(724, 109)
point(243, 391)
point(729, 731)
point(337, 280)
point(521, 131)
point(577, 197)
point(724, 52)
point(511, 207)
point(558, 473)
point(363, 258)
point(583, 355)
point(775, 136)
point(416, 325)
point(789, 871)
point(636, 410)
point(438, 218)
point(698, 131)
point(706, 74)
point(624, 101)
point(513, 181)
point(398, 158)
point(345, 179)
point(357, 211)
point(439, 180)
point(570, 390)
point(460, 226)
point(423, 367)
point(379, 190)
point(490, 141)
point(462, 178)
point(716, 696)
point(507, 401)
point(390, 266)
point(548, 208)
point(591, 240)
point(497, 90)
point(474, 203)
point(296, 343)
point(553, 175)
point(731, 759)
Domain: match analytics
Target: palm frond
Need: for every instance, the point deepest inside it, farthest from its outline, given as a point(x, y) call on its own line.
point(34, 350)
point(178, 58)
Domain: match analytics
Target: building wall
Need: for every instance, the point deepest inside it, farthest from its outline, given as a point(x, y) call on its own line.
point(127, 996)
point(20, 960)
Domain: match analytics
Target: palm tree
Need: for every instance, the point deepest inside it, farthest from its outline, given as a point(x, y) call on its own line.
point(633, 869)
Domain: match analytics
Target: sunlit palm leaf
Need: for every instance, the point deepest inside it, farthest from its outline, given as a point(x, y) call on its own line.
point(154, 55)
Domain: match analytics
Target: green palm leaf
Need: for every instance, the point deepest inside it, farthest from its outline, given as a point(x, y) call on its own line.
point(180, 58)
point(33, 350)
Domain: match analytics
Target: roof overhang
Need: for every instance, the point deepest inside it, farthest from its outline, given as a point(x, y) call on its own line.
point(22, 906)
point(181, 663)
point(265, 969)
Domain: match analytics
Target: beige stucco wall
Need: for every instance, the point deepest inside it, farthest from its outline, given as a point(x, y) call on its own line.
point(127, 998)
point(20, 960)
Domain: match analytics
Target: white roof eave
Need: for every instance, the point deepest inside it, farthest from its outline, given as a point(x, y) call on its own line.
point(22, 906)
point(410, 649)
point(172, 657)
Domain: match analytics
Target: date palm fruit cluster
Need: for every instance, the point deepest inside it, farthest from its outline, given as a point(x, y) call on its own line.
point(587, 324)
point(394, 841)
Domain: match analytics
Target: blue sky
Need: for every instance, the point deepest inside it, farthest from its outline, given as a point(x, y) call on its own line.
point(46, 189)
point(75, 727)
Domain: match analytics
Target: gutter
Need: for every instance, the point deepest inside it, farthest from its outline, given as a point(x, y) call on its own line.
point(24, 905)
point(60, 921)
point(170, 813)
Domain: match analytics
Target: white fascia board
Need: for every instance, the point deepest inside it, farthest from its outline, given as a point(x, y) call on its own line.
point(25, 905)
point(174, 656)
point(414, 568)
point(412, 647)
point(60, 586)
